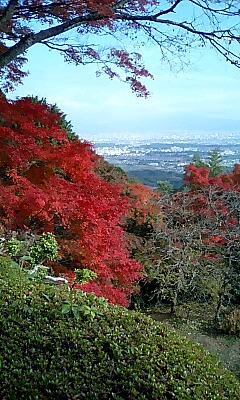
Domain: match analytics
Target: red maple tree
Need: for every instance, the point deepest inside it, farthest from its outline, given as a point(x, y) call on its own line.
point(199, 177)
point(48, 183)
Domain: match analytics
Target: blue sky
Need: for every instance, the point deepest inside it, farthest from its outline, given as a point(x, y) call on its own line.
point(204, 97)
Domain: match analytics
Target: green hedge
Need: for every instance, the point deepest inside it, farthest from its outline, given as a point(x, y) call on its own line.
point(110, 353)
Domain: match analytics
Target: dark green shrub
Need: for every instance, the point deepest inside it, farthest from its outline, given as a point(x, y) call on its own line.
point(110, 354)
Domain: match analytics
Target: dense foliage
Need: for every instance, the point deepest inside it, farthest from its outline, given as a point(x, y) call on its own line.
point(48, 183)
point(144, 214)
point(105, 352)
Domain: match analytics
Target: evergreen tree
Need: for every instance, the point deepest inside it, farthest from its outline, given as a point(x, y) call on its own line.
point(215, 163)
point(197, 161)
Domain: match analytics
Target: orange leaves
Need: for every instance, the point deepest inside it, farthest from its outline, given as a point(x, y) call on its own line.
point(56, 18)
point(144, 203)
point(196, 176)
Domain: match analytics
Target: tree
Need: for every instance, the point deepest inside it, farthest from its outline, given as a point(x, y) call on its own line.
point(194, 254)
point(97, 29)
point(217, 205)
point(164, 187)
point(48, 183)
point(213, 163)
point(198, 162)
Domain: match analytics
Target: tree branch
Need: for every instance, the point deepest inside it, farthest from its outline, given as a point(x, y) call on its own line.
point(29, 40)
point(169, 10)
point(8, 13)
point(223, 11)
point(118, 14)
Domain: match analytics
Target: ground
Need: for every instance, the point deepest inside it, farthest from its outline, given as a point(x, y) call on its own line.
point(189, 321)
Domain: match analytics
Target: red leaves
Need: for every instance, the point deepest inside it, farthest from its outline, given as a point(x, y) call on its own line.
point(143, 203)
point(71, 277)
point(48, 183)
point(196, 177)
point(88, 17)
point(215, 240)
point(215, 204)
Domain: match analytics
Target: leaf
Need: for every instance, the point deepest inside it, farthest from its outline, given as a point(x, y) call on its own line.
point(26, 258)
point(65, 195)
point(46, 296)
point(85, 309)
point(92, 314)
point(66, 308)
point(76, 312)
point(27, 309)
point(14, 264)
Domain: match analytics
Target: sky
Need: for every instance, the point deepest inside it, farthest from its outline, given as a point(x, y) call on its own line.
point(205, 97)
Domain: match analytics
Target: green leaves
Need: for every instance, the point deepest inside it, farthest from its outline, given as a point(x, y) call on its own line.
point(66, 308)
point(45, 247)
point(78, 311)
point(53, 348)
point(214, 163)
point(84, 276)
point(28, 250)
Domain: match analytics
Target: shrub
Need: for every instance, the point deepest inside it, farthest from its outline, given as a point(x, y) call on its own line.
point(230, 322)
point(27, 249)
point(195, 253)
point(108, 353)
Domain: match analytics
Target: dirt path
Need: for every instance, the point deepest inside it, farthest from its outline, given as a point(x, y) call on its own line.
point(227, 348)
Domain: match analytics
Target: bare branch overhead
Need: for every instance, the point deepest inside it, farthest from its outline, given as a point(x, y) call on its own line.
point(178, 23)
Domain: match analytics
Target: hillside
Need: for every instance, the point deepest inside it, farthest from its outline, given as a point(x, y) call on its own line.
point(150, 177)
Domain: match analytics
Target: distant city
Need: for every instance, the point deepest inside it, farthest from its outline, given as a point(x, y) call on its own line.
point(164, 158)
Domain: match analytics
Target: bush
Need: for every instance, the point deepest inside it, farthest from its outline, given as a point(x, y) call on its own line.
point(108, 353)
point(27, 248)
point(230, 323)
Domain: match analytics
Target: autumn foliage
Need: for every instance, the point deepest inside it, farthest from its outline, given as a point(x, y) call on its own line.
point(193, 255)
point(48, 183)
point(199, 177)
point(205, 222)
point(213, 196)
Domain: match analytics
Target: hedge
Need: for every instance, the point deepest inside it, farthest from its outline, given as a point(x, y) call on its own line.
point(99, 352)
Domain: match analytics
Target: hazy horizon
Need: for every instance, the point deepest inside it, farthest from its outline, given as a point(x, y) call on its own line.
point(180, 135)
point(203, 97)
